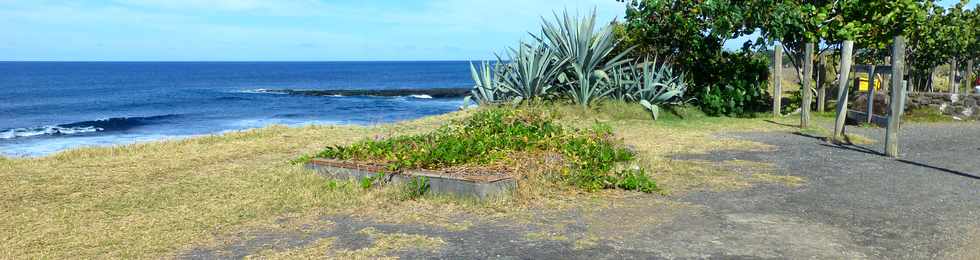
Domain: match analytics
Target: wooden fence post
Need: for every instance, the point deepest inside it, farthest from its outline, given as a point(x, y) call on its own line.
point(897, 97)
point(953, 88)
point(777, 85)
point(805, 88)
point(822, 84)
point(871, 92)
point(969, 75)
point(845, 69)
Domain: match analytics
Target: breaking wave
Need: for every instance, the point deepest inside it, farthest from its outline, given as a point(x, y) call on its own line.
point(83, 127)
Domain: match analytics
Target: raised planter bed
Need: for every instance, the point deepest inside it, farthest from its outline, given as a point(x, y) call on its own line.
point(482, 185)
point(858, 117)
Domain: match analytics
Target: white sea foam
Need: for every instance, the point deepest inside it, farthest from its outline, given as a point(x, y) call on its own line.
point(46, 130)
point(421, 96)
point(262, 91)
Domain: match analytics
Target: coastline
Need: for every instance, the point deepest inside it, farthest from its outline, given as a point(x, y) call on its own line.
point(408, 92)
point(163, 139)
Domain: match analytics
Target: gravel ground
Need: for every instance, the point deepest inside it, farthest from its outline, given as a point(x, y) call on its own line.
point(855, 203)
point(924, 205)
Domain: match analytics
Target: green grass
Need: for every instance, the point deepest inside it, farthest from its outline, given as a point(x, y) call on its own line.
point(926, 115)
point(489, 137)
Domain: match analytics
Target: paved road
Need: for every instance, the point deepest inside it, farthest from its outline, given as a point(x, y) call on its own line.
point(854, 204)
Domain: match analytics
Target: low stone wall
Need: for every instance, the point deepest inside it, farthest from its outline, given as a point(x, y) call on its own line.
point(963, 106)
point(957, 105)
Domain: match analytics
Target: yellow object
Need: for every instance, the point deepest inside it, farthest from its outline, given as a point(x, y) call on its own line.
point(863, 84)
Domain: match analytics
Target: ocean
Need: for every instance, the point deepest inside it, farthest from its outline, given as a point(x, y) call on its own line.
point(46, 107)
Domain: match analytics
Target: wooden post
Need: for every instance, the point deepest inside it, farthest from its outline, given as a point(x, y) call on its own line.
point(822, 85)
point(871, 92)
point(952, 76)
point(845, 69)
point(777, 85)
point(969, 75)
point(897, 97)
point(805, 88)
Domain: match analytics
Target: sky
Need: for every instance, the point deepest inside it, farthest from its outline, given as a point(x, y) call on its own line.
point(265, 30)
point(277, 30)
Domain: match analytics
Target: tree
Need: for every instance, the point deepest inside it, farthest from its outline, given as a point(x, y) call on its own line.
point(691, 34)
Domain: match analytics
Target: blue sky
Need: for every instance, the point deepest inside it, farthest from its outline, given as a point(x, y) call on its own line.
point(273, 30)
point(262, 30)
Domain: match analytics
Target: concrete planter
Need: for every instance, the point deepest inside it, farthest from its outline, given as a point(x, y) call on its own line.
point(473, 186)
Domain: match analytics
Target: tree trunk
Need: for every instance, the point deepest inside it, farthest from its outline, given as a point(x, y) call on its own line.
point(897, 97)
point(805, 86)
point(777, 85)
point(845, 69)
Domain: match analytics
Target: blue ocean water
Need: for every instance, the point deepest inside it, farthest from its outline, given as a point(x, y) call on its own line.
point(47, 107)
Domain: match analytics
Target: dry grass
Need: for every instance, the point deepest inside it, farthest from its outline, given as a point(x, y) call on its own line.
point(826, 135)
point(155, 199)
point(152, 199)
point(687, 131)
point(385, 243)
point(382, 245)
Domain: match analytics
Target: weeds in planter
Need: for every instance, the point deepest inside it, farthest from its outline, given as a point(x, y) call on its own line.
point(336, 185)
point(368, 182)
point(416, 188)
point(490, 136)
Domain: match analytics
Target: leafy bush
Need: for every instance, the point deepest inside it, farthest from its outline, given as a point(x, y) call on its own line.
point(490, 136)
point(636, 179)
point(740, 89)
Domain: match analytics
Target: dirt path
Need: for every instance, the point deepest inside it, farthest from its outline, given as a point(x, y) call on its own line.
point(854, 204)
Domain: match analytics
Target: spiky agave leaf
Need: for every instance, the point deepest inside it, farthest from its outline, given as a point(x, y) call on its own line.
point(589, 53)
point(532, 71)
point(624, 83)
point(659, 87)
point(488, 87)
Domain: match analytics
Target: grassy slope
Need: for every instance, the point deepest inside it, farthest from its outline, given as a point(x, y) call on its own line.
point(150, 200)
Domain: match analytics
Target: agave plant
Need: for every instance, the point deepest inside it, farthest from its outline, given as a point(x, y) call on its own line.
point(488, 87)
point(624, 83)
point(658, 86)
point(589, 53)
point(531, 72)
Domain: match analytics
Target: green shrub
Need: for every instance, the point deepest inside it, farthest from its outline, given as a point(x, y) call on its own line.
point(740, 88)
point(636, 179)
point(491, 135)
